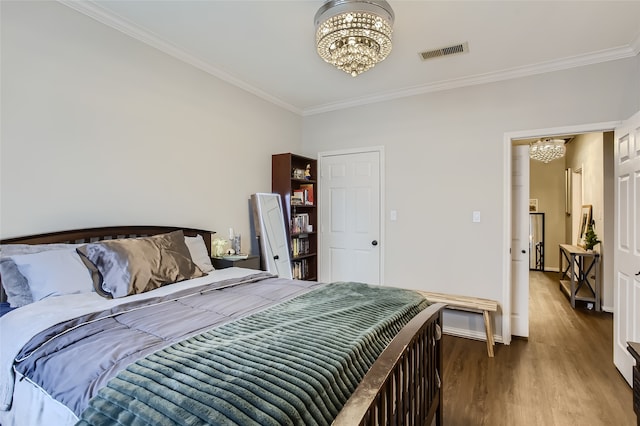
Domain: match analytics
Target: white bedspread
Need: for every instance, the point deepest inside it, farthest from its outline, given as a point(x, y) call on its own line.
point(20, 325)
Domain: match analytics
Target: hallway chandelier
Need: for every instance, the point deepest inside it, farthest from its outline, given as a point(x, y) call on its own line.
point(354, 35)
point(547, 150)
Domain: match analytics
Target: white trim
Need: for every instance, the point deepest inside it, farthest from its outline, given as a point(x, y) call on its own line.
point(506, 242)
point(508, 139)
point(469, 334)
point(382, 243)
point(100, 14)
point(492, 77)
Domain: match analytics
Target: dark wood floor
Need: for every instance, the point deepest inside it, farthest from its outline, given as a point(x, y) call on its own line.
point(562, 375)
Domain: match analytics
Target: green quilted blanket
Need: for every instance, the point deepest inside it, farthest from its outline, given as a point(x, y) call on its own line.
point(293, 364)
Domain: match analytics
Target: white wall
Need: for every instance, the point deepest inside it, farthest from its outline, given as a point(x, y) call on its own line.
point(99, 129)
point(444, 159)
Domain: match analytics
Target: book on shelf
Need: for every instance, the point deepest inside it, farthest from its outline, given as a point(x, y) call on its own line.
point(297, 198)
point(300, 269)
point(308, 194)
point(300, 223)
point(300, 246)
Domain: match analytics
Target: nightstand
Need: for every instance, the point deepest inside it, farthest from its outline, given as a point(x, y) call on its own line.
point(251, 262)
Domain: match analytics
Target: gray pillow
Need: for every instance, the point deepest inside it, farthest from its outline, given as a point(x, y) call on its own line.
point(14, 283)
point(54, 273)
point(12, 280)
point(137, 265)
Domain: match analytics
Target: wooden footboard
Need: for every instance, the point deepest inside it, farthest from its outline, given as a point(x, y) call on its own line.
point(403, 387)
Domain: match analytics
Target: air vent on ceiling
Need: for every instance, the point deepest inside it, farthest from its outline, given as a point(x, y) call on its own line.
point(445, 51)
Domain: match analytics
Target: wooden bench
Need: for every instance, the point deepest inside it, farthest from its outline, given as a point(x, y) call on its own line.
point(470, 304)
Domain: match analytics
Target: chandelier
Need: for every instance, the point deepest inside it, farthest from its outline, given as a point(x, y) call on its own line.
point(547, 150)
point(354, 35)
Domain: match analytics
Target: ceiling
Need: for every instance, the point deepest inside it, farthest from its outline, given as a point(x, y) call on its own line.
point(267, 47)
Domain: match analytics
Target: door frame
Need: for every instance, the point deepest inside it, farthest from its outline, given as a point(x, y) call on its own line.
point(382, 240)
point(508, 139)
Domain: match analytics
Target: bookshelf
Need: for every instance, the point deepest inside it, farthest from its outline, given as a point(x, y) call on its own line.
point(294, 178)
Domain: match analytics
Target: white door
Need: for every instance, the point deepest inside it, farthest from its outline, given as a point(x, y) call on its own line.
point(350, 234)
point(626, 291)
point(520, 240)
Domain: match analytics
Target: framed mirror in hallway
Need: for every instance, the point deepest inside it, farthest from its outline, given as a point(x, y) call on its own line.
point(536, 241)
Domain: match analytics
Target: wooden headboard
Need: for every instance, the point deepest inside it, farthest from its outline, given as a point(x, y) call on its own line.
point(89, 235)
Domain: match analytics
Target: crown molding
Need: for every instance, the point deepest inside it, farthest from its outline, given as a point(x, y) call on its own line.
point(509, 74)
point(93, 10)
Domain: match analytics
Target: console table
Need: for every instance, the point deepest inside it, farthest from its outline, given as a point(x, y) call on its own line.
point(580, 275)
point(634, 349)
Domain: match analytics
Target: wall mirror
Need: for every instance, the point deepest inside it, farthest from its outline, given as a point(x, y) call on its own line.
point(585, 220)
point(536, 241)
point(269, 222)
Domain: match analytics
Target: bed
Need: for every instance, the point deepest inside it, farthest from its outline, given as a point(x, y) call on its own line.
point(230, 346)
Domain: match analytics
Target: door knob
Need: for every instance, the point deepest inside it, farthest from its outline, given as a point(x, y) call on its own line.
point(524, 251)
point(374, 243)
point(638, 273)
point(276, 257)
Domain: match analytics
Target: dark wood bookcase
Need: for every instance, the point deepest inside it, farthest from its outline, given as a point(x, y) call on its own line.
point(294, 177)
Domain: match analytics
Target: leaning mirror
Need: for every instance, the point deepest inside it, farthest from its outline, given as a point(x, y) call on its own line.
point(536, 241)
point(269, 222)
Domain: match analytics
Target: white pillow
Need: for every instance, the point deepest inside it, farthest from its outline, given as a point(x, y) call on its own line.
point(199, 254)
point(54, 273)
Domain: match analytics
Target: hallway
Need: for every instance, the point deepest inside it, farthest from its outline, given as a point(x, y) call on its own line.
point(562, 375)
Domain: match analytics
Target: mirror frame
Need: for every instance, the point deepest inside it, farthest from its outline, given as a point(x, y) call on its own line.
point(536, 247)
point(585, 220)
point(276, 260)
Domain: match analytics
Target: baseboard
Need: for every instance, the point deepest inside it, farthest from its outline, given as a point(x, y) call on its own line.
point(608, 309)
point(552, 269)
point(469, 334)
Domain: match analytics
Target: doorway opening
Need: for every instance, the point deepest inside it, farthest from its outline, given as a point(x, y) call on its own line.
point(559, 189)
point(516, 289)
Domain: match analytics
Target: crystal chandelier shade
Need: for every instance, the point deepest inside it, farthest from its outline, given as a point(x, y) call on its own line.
point(547, 150)
point(354, 35)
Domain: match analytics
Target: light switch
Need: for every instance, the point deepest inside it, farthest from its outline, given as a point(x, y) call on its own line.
point(393, 215)
point(476, 216)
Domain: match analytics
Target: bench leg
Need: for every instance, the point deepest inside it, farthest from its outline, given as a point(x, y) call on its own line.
point(489, 329)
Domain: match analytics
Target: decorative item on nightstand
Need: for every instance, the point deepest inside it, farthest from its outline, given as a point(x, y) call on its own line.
point(236, 246)
point(219, 245)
